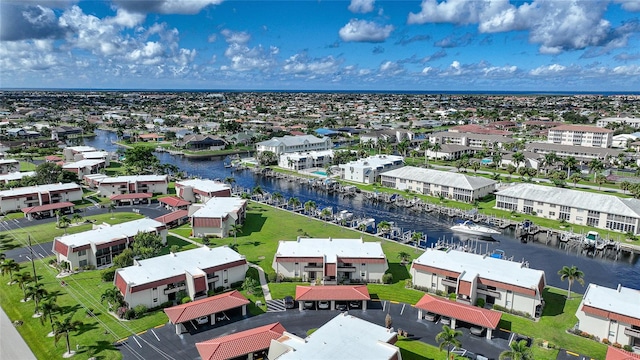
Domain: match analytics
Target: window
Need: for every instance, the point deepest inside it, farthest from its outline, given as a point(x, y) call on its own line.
point(82, 253)
point(154, 289)
point(155, 300)
point(363, 273)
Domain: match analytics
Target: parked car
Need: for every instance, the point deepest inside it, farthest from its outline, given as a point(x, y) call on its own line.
point(289, 303)
point(445, 320)
point(202, 320)
point(323, 305)
point(355, 304)
point(341, 306)
point(429, 316)
point(476, 330)
point(309, 305)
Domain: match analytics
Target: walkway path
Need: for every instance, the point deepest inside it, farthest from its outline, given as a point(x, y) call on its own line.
point(263, 282)
point(12, 346)
point(185, 239)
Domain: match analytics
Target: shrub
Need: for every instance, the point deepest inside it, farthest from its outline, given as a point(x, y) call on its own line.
point(166, 304)
point(628, 348)
point(439, 292)
point(108, 274)
point(185, 300)
point(140, 310)
point(606, 341)
point(219, 289)
point(617, 345)
point(121, 311)
point(387, 278)
point(130, 314)
point(237, 284)
point(480, 302)
point(408, 283)
point(452, 296)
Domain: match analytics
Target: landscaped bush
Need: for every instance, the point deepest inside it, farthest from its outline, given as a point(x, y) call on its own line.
point(130, 314)
point(291, 279)
point(480, 302)
point(617, 345)
point(108, 275)
point(606, 341)
point(237, 284)
point(387, 278)
point(514, 312)
point(628, 348)
point(140, 310)
point(439, 292)
point(185, 300)
point(452, 296)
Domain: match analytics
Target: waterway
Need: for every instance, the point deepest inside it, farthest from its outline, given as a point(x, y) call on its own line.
point(550, 258)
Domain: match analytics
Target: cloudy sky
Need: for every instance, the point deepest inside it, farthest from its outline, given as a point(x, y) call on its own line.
point(431, 45)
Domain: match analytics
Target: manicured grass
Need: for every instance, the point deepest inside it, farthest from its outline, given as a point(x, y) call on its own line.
point(182, 245)
point(417, 350)
point(27, 166)
point(280, 290)
point(183, 230)
point(43, 233)
point(257, 296)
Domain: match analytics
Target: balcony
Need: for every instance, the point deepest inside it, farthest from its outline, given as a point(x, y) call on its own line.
point(171, 290)
point(313, 267)
point(347, 268)
point(491, 293)
point(213, 279)
point(632, 332)
point(447, 282)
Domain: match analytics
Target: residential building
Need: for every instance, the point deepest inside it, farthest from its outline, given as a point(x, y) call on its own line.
point(153, 184)
point(290, 144)
point(470, 139)
point(450, 152)
point(343, 337)
point(15, 176)
point(18, 198)
point(390, 136)
point(611, 314)
point(580, 153)
point(450, 185)
point(248, 344)
point(225, 304)
point(573, 206)
point(99, 246)
point(65, 132)
point(84, 167)
point(509, 284)
point(632, 122)
point(9, 166)
point(216, 216)
point(151, 282)
point(74, 153)
point(201, 190)
point(97, 155)
point(580, 135)
point(330, 260)
point(368, 170)
point(306, 160)
point(202, 142)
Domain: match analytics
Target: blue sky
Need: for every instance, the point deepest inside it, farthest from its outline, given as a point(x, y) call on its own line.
point(429, 45)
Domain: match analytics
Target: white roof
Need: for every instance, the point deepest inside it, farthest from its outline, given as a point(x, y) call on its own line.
point(106, 234)
point(472, 265)
point(442, 178)
point(82, 164)
point(191, 261)
point(343, 337)
point(331, 248)
point(622, 301)
point(289, 140)
point(96, 177)
point(95, 154)
point(307, 154)
point(608, 204)
point(219, 207)
point(133, 179)
point(205, 185)
point(81, 149)
point(40, 189)
point(373, 161)
point(16, 175)
point(8, 161)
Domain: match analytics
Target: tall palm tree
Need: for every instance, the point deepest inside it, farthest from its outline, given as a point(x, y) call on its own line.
point(384, 226)
point(570, 163)
point(519, 351)
point(36, 291)
point(294, 202)
point(23, 279)
point(62, 328)
point(518, 158)
point(448, 337)
point(230, 180)
point(235, 228)
point(309, 206)
point(277, 197)
point(63, 222)
point(625, 186)
point(404, 257)
point(76, 218)
point(48, 307)
point(600, 179)
point(596, 166)
point(325, 213)
point(575, 178)
point(571, 274)
point(8, 266)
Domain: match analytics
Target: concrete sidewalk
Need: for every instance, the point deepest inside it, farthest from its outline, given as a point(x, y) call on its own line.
point(12, 345)
point(263, 282)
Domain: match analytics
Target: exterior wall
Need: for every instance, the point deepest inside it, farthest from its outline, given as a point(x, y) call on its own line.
point(301, 163)
point(435, 189)
point(220, 232)
point(580, 138)
point(17, 203)
point(125, 188)
point(326, 144)
point(603, 327)
point(370, 272)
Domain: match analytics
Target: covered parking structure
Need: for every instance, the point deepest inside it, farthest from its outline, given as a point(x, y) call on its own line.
point(473, 315)
point(174, 203)
point(210, 307)
point(249, 344)
point(131, 199)
point(332, 293)
point(48, 210)
point(174, 219)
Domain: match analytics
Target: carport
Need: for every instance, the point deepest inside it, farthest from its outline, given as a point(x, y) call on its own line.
point(47, 210)
point(174, 203)
point(174, 219)
point(474, 315)
point(131, 199)
point(332, 293)
point(181, 314)
point(249, 344)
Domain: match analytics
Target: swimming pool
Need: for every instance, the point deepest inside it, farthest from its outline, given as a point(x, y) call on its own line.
point(486, 161)
point(320, 172)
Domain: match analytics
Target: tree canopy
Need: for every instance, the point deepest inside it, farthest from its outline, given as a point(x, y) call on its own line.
point(139, 158)
point(147, 245)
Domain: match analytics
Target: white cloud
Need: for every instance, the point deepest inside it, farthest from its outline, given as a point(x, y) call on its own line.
point(361, 6)
point(212, 38)
point(627, 70)
point(553, 69)
point(236, 37)
point(303, 64)
point(166, 6)
point(127, 19)
point(629, 5)
point(365, 31)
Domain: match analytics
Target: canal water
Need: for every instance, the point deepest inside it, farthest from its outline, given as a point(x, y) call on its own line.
point(548, 257)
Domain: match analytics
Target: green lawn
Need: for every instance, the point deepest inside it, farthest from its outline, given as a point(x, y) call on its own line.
point(27, 166)
point(182, 245)
point(43, 233)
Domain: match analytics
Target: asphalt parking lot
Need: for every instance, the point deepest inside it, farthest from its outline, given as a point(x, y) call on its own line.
point(163, 342)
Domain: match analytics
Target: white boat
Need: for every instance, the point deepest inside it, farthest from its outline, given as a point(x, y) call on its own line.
point(471, 228)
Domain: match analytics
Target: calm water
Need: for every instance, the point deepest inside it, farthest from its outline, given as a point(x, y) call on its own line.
point(550, 258)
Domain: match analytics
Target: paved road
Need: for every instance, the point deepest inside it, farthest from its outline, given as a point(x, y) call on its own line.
point(12, 346)
point(404, 316)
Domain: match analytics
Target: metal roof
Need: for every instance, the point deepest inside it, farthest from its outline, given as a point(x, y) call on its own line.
point(442, 178)
point(455, 310)
point(208, 306)
point(332, 292)
point(330, 248)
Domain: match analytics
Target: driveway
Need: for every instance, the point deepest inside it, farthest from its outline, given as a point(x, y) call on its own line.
point(164, 339)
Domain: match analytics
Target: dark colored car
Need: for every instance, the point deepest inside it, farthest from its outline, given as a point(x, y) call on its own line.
point(289, 303)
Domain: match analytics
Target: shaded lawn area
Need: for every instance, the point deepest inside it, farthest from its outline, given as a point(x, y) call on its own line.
point(182, 245)
point(43, 233)
point(558, 316)
point(258, 295)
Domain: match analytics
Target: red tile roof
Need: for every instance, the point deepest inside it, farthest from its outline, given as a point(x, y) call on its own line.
point(130, 196)
point(203, 307)
point(241, 343)
point(52, 158)
point(619, 354)
point(173, 216)
point(467, 313)
point(332, 292)
point(174, 201)
point(47, 207)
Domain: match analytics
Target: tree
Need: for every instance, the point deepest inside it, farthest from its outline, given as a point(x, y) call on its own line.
point(36, 291)
point(595, 166)
point(417, 236)
point(230, 180)
point(277, 197)
point(124, 259)
point(448, 337)
point(511, 169)
point(23, 279)
point(235, 228)
point(519, 351)
point(575, 178)
point(113, 297)
point(147, 245)
point(600, 179)
point(294, 202)
point(8, 267)
point(404, 256)
point(309, 206)
point(49, 173)
point(570, 163)
point(325, 213)
point(384, 226)
point(518, 158)
point(111, 207)
point(62, 328)
point(571, 274)
point(475, 165)
point(48, 307)
point(139, 158)
point(267, 158)
point(76, 218)
point(625, 186)
point(251, 286)
point(63, 223)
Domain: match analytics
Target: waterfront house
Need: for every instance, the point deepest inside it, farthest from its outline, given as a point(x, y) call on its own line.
point(580, 135)
point(153, 281)
point(202, 142)
point(306, 160)
point(470, 139)
point(511, 285)
point(30, 196)
point(84, 167)
point(450, 152)
point(99, 246)
point(367, 170)
point(65, 132)
point(451, 185)
point(612, 314)
point(201, 190)
point(580, 153)
point(9, 166)
point(154, 184)
point(216, 216)
point(248, 344)
point(290, 144)
point(391, 136)
point(330, 260)
point(74, 153)
point(573, 206)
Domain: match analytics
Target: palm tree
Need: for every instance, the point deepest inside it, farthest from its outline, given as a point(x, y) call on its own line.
point(575, 178)
point(112, 207)
point(518, 158)
point(277, 197)
point(8, 267)
point(426, 145)
point(600, 179)
point(113, 297)
point(294, 202)
point(511, 169)
point(403, 256)
point(64, 327)
point(448, 337)
point(230, 180)
point(76, 218)
point(235, 228)
point(326, 213)
point(475, 165)
point(309, 205)
point(23, 279)
point(571, 274)
point(595, 165)
point(519, 351)
point(48, 307)
point(384, 226)
point(570, 163)
point(625, 186)
point(417, 236)
point(37, 292)
point(63, 222)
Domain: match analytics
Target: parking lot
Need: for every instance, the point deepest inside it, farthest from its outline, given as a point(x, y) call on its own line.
point(164, 343)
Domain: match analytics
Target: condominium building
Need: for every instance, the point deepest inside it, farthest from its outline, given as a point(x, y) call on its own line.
point(580, 153)
point(153, 184)
point(580, 135)
point(9, 166)
point(85, 167)
point(216, 217)
point(201, 190)
point(368, 170)
point(290, 144)
point(470, 139)
point(305, 160)
point(632, 122)
point(573, 206)
point(30, 196)
point(448, 184)
point(330, 260)
point(15, 176)
point(509, 284)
